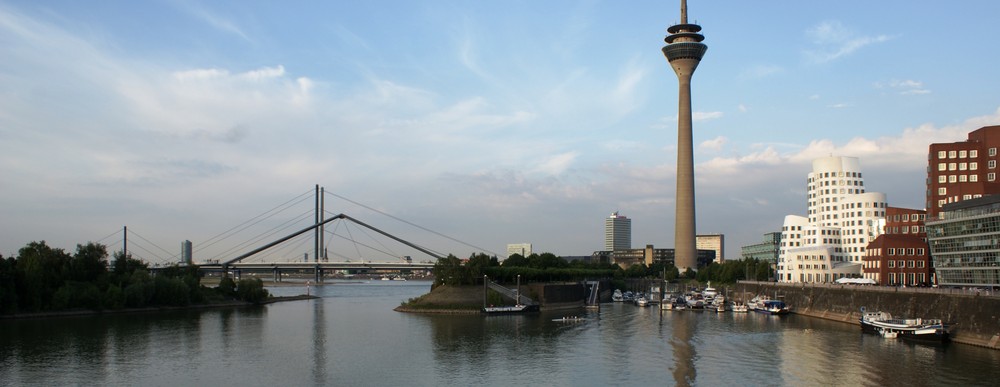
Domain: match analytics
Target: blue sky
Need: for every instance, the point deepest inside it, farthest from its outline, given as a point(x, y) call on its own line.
point(490, 122)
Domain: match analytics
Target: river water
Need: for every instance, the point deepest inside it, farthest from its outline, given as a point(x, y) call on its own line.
point(352, 337)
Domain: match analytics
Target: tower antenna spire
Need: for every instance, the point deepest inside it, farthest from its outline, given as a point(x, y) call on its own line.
point(684, 12)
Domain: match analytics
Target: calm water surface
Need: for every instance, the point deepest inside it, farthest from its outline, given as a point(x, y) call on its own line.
point(351, 337)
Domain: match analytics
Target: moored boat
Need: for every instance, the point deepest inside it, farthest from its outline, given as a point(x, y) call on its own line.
point(510, 309)
point(918, 329)
point(617, 296)
point(774, 307)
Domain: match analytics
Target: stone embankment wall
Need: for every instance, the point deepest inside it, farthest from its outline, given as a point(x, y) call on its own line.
point(559, 296)
point(975, 315)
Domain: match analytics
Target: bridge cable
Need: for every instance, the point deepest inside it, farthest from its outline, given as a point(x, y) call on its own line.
point(267, 233)
point(413, 224)
point(154, 245)
point(252, 221)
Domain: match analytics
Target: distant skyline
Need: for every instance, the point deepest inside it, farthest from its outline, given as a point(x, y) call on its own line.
point(493, 123)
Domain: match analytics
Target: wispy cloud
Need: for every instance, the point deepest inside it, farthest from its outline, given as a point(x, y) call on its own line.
point(714, 144)
point(833, 40)
point(216, 21)
point(903, 87)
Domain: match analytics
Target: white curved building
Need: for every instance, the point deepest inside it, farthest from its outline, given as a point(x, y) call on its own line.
point(829, 243)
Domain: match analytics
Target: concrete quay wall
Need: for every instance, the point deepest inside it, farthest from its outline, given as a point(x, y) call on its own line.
point(975, 315)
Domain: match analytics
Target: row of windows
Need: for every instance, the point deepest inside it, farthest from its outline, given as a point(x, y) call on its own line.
point(962, 154)
point(836, 174)
point(904, 229)
point(954, 199)
point(973, 166)
point(957, 178)
point(907, 278)
point(968, 277)
point(892, 264)
point(907, 217)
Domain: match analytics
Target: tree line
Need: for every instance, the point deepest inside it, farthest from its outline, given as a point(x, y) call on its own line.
point(548, 267)
point(46, 279)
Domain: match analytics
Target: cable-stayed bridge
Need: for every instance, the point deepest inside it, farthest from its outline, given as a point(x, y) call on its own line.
point(290, 237)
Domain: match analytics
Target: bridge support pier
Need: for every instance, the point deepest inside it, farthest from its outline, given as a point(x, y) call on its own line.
point(318, 271)
point(277, 275)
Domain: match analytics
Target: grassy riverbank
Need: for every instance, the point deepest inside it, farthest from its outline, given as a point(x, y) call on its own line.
point(447, 299)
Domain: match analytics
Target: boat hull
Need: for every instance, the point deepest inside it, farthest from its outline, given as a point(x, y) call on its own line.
point(513, 309)
point(921, 330)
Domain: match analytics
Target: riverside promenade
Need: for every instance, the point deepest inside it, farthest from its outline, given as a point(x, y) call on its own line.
point(974, 312)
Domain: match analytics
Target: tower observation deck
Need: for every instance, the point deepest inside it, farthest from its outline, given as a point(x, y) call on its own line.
point(684, 51)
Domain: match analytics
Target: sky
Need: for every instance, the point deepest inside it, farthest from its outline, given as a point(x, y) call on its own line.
point(486, 122)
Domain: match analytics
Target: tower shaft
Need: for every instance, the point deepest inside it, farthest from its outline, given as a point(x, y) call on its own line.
point(684, 51)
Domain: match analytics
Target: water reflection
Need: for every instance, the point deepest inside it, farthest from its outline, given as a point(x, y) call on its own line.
point(684, 353)
point(319, 344)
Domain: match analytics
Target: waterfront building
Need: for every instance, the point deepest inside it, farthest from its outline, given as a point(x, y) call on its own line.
point(901, 255)
point(524, 249)
point(714, 242)
point(684, 51)
point(766, 250)
point(830, 242)
point(617, 232)
point(649, 255)
point(964, 241)
point(962, 170)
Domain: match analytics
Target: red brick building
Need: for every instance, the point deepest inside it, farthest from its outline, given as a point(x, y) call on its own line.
point(900, 256)
point(963, 170)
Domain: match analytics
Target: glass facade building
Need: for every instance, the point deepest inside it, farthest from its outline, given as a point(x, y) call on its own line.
point(964, 240)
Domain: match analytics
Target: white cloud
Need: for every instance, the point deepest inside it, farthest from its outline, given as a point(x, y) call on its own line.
point(904, 87)
point(557, 164)
point(705, 116)
point(714, 144)
point(833, 40)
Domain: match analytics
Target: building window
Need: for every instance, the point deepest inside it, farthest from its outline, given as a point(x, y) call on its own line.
point(973, 166)
point(963, 178)
point(962, 154)
point(951, 154)
point(992, 164)
point(973, 153)
point(911, 263)
point(952, 179)
point(973, 178)
point(920, 264)
point(962, 166)
point(993, 152)
point(952, 166)
point(942, 166)
point(942, 154)
point(991, 176)
point(944, 190)
point(892, 264)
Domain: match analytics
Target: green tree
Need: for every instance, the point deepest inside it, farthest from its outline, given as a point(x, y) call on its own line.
point(515, 260)
point(251, 290)
point(44, 269)
point(8, 285)
point(89, 264)
point(227, 286)
point(449, 271)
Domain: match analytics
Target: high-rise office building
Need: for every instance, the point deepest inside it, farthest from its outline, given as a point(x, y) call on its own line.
point(963, 170)
point(842, 219)
point(524, 249)
point(714, 242)
point(684, 51)
point(186, 257)
point(617, 232)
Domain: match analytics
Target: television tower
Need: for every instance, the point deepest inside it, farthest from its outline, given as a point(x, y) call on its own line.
point(684, 51)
